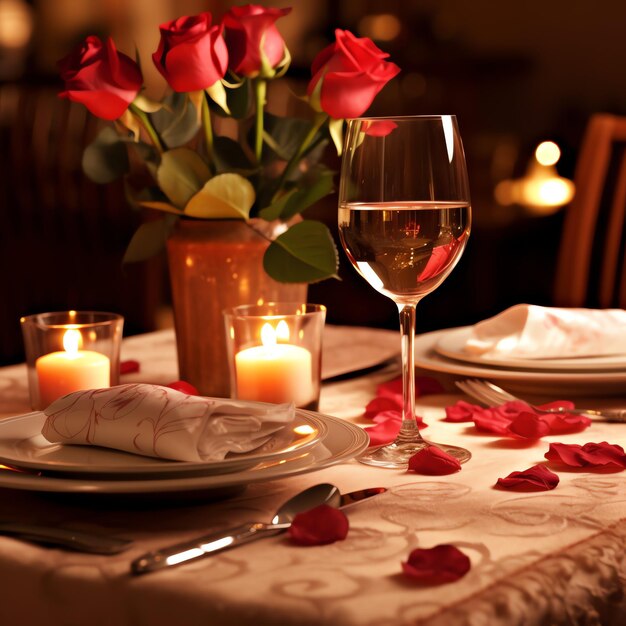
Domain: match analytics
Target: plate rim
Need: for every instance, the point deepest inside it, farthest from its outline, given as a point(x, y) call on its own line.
point(53, 484)
point(427, 358)
point(169, 466)
point(573, 364)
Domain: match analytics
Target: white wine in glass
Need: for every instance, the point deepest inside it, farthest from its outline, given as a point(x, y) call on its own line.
point(404, 221)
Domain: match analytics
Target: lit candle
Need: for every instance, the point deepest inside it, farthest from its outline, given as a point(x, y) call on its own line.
point(60, 373)
point(275, 372)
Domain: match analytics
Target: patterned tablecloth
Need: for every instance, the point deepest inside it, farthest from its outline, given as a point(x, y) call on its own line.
point(537, 558)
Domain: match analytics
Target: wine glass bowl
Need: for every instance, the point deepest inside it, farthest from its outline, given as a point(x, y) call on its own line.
point(404, 221)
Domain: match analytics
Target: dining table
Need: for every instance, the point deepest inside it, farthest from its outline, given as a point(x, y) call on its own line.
point(548, 557)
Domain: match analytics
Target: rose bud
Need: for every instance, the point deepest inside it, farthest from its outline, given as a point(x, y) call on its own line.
point(347, 76)
point(98, 76)
point(254, 43)
point(192, 54)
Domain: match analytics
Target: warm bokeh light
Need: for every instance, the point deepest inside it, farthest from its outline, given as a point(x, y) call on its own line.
point(16, 23)
point(381, 27)
point(547, 153)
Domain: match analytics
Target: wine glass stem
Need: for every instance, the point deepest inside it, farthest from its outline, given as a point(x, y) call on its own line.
point(409, 431)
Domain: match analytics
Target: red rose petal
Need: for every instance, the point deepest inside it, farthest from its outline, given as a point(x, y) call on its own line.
point(461, 412)
point(185, 387)
point(564, 423)
point(558, 404)
point(529, 426)
point(384, 432)
point(491, 421)
point(590, 455)
point(321, 525)
point(129, 367)
point(435, 566)
point(433, 461)
point(424, 386)
point(537, 478)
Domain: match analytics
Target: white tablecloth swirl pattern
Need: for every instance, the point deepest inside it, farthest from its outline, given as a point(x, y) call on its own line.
point(537, 558)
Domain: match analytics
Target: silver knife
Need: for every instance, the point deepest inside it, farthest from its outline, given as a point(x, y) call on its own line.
point(207, 545)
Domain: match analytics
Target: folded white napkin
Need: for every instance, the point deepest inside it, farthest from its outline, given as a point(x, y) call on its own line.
point(158, 421)
point(535, 332)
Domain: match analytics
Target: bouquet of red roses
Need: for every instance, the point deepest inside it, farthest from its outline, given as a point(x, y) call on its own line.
point(267, 170)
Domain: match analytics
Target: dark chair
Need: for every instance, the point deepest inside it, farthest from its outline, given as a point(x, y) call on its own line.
point(62, 237)
point(591, 268)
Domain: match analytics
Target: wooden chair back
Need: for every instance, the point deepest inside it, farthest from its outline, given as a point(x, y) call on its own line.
point(591, 269)
point(62, 237)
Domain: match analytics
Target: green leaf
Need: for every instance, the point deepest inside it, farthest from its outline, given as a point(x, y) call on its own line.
point(305, 253)
point(335, 128)
point(181, 174)
point(217, 93)
point(177, 122)
point(319, 185)
point(147, 105)
point(106, 158)
point(149, 239)
point(228, 155)
point(224, 196)
point(237, 100)
point(275, 210)
point(287, 134)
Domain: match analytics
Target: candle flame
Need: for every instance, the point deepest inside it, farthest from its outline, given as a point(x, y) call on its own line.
point(268, 335)
point(282, 331)
point(72, 340)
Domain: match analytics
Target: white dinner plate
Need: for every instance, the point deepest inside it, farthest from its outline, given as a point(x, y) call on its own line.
point(452, 341)
point(23, 446)
point(566, 383)
point(343, 442)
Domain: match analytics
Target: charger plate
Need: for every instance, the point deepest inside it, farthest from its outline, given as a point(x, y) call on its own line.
point(343, 441)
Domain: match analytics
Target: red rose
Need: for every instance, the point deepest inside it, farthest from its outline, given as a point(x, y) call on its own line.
point(98, 76)
point(192, 54)
point(347, 76)
point(252, 36)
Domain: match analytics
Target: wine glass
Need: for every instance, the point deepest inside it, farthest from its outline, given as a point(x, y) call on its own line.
point(404, 221)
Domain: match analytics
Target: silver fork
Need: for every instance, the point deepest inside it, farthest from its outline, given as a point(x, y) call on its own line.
point(492, 395)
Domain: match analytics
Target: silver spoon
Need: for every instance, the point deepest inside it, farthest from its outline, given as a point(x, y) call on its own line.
point(93, 543)
point(185, 551)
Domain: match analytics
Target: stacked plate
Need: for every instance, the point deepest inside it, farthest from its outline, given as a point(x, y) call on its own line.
point(443, 351)
point(311, 442)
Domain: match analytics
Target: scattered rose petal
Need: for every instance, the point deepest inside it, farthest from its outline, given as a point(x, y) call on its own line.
point(518, 419)
point(384, 432)
point(461, 412)
point(129, 367)
point(537, 478)
point(590, 455)
point(424, 386)
point(529, 426)
point(321, 525)
point(435, 566)
point(433, 461)
point(185, 387)
point(491, 421)
point(565, 423)
point(427, 386)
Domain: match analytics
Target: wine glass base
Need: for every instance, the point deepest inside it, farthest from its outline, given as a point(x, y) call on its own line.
point(397, 455)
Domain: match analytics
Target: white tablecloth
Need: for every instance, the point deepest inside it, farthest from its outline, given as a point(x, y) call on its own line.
point(550, 557)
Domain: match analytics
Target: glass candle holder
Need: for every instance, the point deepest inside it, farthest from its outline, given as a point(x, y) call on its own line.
point(69, 351)
point(275, 352)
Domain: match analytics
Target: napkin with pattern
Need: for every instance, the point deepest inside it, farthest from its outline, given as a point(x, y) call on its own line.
point(161, 422)
point(536, 332)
